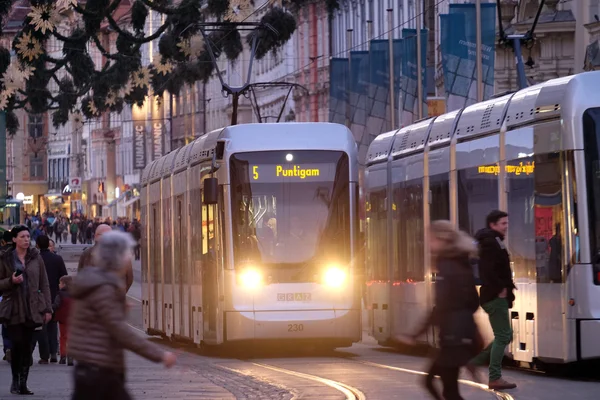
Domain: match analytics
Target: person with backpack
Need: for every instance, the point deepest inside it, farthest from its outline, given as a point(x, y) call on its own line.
point(496, 295)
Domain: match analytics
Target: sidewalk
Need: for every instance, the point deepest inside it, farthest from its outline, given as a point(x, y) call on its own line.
point(145, 380)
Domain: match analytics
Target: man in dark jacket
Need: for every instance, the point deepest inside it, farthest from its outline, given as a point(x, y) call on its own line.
point(86, 257)
point(47, 338)
point(6, 244)
point(496, 295)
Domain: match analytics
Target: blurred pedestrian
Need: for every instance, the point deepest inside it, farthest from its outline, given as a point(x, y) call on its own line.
point(62, 313)
point(47, 337)
point(86, 257)
point(6, 244)
point(99, 333)
point(26, 302)
point(456, 301)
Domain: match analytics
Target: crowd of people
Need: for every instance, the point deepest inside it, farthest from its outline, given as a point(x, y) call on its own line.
point(40, 303)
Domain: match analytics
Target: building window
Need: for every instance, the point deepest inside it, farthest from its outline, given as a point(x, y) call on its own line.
point(36, 126)
point(36, 167)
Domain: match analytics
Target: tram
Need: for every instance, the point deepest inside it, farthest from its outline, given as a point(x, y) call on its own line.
point(535, 154)
point(249, 233)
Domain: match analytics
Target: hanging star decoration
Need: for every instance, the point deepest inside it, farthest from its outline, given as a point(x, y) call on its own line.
point(14, 78)
point(77, 118)
point(141, 77)
point(4, 97)
point(44, 18)
point(196, 45)
point(65, 4)
point(92, 107)
point(128, 88)
point(111, 99)
point(184, 47)
point(238, 11)
point(29, 47)
point(161, 65)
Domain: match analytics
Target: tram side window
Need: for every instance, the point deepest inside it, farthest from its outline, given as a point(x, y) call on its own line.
point(477, 196)
point(439, 185)
point(549, 217)
point(408, 197)
point(196, 228)
point(522, 210)
point(155, 264)
point(377, 236)
point(144, 245)
point(591, 126)
point(166, 241)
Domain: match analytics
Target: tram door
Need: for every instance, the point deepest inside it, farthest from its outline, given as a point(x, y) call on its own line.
point(210, 288)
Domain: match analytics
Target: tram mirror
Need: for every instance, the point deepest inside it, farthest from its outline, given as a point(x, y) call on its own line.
point(211, 191)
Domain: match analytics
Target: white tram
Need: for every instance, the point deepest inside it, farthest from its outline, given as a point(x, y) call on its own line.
point(534, 153)
point(250, 233)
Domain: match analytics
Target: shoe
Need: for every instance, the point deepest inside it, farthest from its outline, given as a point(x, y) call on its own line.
point(43, 362)
point(63, 361)
point(71, 363)
point(23, 389)
point(53, 360)
point(501, 384)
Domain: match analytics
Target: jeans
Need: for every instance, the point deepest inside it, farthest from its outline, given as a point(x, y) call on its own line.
point(449, 377)
point(95, 383)
point(47, 338)
point(21, 337)
point(5, 339)
point(73, 238)
point(497, 310)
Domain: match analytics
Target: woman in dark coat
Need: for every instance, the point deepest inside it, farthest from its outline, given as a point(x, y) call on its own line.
point(456, 301)
point(25, 304)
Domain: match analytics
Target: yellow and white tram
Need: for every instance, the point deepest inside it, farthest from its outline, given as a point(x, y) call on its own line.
point(535, 154)
point(250, 233)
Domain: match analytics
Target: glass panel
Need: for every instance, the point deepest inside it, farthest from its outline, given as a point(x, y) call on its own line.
point(167, 237)
point(549, 217)
point(524, 245)
point(376, 263)
point(196, 227)
point(291, 214)
point(144, 244)
point(439, 186)
point(591, 126)
point(178, 241)
point(408, 220)
point(477, 196)
point(155, 264)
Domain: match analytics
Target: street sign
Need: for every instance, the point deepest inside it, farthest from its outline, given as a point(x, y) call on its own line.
point(75, 184)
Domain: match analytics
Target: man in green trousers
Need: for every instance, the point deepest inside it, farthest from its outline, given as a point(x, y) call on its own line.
point(496, 295)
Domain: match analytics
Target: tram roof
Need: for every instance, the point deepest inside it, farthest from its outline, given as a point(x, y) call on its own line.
point(535, 103)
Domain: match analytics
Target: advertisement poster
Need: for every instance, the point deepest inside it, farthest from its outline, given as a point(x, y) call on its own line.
point(139, 138)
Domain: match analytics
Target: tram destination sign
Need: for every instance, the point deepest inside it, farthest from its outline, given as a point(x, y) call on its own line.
point(275, 173)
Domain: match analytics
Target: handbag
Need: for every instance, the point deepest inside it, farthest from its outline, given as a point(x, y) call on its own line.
point(5, 310)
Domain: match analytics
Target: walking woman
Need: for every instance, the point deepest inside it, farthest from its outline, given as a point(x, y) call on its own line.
point(26, 302)
point(98, 333)
point(456, 301)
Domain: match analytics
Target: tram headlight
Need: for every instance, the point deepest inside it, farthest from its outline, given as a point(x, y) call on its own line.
point(334, 276)
point(250, 278)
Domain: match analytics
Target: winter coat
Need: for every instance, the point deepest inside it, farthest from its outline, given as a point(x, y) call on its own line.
point(62, 306)
point(494, 267)
point(99, 333)
point(19, 306)
point(456, 301)
point(55, 269)
point(86, 260)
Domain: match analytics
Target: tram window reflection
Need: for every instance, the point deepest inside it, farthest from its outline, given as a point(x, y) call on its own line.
point(439, 185)
point(522, 240)
point(477, 196)
point(377, 234)
point(166, 241)
point(408, 198)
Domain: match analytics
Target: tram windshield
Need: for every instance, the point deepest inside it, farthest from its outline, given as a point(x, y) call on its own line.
point(290, 208)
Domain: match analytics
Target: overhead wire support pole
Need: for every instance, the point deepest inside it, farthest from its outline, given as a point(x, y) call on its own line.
point(478, 51)
point(419, 62)
point(390, 13)
point(516, 41)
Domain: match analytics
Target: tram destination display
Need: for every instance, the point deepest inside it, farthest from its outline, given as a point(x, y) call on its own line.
point(285, 173)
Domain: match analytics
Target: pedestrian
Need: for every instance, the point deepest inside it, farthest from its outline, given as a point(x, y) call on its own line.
point(62, 312)
point(456, 301)
point(7, 244)
point(496, 294)
point(47, 337)
point(86, 257)
point(74, 229)
point(99, 333)
point(26, 302)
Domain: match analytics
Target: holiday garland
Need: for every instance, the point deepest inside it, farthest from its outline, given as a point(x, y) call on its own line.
point(81, 87)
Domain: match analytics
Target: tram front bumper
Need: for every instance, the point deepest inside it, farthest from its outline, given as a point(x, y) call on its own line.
point(293, 324)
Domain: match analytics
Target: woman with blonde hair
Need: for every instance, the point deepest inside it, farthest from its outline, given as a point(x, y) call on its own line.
point(456, 301)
